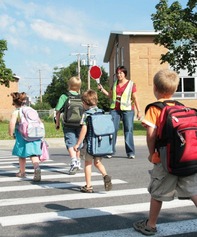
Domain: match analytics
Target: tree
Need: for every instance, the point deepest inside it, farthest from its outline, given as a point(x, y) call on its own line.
point(59, 86)
point(6, 74)
point(177, 29)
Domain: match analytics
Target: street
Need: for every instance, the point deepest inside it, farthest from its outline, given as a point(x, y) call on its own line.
point(55, 206)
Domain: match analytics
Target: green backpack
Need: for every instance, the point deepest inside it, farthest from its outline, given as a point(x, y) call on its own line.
point(73, 110)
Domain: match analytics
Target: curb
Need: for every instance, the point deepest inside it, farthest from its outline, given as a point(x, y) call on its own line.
point(59, 142)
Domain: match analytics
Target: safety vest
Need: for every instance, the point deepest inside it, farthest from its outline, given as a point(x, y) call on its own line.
point(124, 99)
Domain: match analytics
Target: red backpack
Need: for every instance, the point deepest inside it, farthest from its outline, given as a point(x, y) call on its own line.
point(176, 140)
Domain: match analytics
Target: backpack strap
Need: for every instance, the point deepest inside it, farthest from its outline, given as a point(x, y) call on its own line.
point(99, 111)
point(161, 105)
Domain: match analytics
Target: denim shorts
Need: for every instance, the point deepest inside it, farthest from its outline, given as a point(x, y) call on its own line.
point(71, 136)
point(164, 186)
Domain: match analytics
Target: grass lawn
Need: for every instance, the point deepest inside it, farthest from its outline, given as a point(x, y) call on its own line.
point(52, 132)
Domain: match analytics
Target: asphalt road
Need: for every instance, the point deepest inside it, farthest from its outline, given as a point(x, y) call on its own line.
point(55, 207)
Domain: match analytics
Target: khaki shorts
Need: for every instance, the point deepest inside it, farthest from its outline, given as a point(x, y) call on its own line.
point(87, 157)
point(164, 186)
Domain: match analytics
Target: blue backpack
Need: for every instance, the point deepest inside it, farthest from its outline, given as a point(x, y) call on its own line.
point(100, 134)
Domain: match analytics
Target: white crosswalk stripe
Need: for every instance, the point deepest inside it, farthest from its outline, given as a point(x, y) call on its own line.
point(21, 193)
point(74, 214)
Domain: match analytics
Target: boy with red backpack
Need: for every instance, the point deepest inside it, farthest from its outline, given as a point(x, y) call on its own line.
point(163, 185)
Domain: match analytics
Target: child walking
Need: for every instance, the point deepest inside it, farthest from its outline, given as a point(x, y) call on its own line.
point(163, 186)
point(90, 100)
point(22, 148)
point(71, 133)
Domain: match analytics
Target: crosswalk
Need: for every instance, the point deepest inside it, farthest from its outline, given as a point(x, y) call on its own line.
point(57, 199)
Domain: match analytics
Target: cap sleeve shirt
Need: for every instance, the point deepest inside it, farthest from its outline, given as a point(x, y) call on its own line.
point(151, 118)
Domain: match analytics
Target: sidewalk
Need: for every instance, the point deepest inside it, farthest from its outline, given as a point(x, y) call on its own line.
point(59, 142)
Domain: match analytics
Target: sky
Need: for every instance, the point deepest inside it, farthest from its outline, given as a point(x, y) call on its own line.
point(44, 34)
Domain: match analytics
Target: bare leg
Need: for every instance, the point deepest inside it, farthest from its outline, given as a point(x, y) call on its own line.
point(98, 164)
point(35, 161)
point(72, 152)
point(88, 173)
point(155, 207)
point(194, 199)
point(106, 178)
point(22, 164)
point(37, 172)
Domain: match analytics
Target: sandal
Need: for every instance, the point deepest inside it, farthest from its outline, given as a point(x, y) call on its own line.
point(107, 182)
point(21, 175)
point(86, 189)
point(37, 175)
point(142, 227)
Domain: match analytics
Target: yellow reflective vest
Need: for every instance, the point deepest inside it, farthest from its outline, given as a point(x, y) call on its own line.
point(125, 99)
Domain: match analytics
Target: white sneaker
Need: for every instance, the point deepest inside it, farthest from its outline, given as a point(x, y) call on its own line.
point(73, 167)
point(79, 164)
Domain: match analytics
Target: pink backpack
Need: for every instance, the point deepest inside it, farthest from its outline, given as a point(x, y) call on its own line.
point(30, 125)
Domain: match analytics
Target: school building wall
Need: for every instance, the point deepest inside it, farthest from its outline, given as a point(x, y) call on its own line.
point(6, 106)
point(141, 56)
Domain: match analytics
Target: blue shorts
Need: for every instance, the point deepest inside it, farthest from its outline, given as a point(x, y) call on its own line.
point(71, 136)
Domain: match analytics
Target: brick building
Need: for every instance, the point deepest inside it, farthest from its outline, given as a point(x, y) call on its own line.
point(138, 53)
point(6, 106)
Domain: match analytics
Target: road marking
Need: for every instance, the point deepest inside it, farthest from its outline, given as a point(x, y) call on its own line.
point(67, 197)
point(85, 213)
point(47, 177)
point(28, 162)
point(54, 186)
point(43, 169)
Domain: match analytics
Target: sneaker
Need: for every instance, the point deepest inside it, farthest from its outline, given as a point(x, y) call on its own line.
point(37, 175)
point(142, 227)
point(109, 156)
point(79, 164)
point(107, 183)
point(131, 157)
point(73, 167)
point(86, 189)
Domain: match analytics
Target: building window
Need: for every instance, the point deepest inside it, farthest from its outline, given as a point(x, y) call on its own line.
point(122, 55)
point(187, 88)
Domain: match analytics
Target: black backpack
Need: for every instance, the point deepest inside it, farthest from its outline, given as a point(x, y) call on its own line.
point(72, 110)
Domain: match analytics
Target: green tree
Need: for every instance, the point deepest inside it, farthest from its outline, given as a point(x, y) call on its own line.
point(41, 106)
point(6, 74)
point(59, 86)
point(177, 29)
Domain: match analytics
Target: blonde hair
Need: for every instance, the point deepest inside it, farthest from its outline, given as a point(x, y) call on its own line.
point(19, 99)
point(90, 97)
point(74, 84)
point(166, 81)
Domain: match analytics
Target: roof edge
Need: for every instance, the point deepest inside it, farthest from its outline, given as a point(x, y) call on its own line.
point(113, 35)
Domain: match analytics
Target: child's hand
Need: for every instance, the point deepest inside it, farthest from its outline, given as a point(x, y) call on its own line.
point(57, 126)
point(76, 147)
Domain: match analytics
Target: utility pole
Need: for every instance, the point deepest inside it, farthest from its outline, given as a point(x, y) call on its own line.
point(40, 78)
point(88, 60)
point(78, 62)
